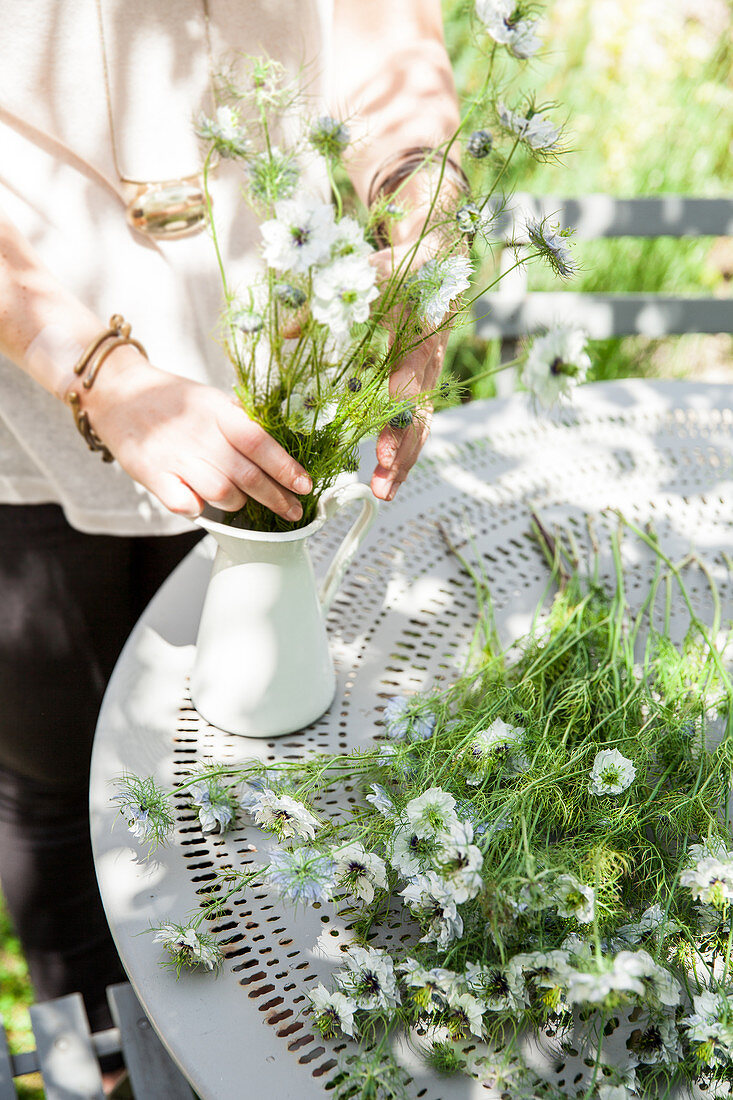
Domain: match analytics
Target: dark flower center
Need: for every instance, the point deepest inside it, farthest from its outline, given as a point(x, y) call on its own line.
point(301, 235)
point(370, 982)
point(556, 366)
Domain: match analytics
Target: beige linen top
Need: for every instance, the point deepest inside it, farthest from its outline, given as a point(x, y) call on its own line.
point(59, 186)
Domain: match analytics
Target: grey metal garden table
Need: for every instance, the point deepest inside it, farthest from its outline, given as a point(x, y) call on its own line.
point(661, 452)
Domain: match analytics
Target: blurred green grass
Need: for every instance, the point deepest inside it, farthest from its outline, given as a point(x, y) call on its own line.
point(649, 105)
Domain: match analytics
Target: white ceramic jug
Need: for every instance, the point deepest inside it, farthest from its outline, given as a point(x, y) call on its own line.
point(262, 664)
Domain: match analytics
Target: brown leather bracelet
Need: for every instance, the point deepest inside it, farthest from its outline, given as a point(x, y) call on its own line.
point(404, 163)
point(117, 335)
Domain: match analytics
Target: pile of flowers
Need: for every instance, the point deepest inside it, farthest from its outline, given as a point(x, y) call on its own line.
point(345, 296)
point(552, 831)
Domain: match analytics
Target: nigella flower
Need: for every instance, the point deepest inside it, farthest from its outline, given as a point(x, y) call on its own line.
point(573, 899)
point(402, 420)
point(534, 129)
point(710, 877)
point(359, 871)
point(500, 744)
point(291, 296)
point(145, 807)
point(329, 137)
point(711, 1026)
point(369, 978)
point(349, 239)
point(332, 1012)
point(215, 806)
point(381, 800)
point(438, 283)
point(624, 974)
point(431, 899)
point(611, 773)
point(226, 132)
point(555, 363)
point(431, 813)
point(500, 988)
point(546, 968)
point(407, 852)
point(187, 947)
point(552, 245)
point(479, 144)
point(465, 1015)
point(299, 236)
point(431, 988)
point(401, 722)
point(272, 176)
point(459, 861)
point(655, 1040)
point(342, 293)
point(302, 875)
point(502, 20)
point(471, 219)
point(284, 816)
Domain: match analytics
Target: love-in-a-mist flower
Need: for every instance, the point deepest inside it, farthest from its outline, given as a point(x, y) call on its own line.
point(225, 131)
point(535, 130)
point(612, 773)
point(504, 23)
point(465, 1015)
point(349, 239)
point(303, 875)
point(369, 979)
point(215, 805)
point(710, 1027)
point(430, 989)
point(284, 816)
point(299, 236)
point(359, 871)
point(655, 1040)
point(381, 801)
point(552, 244)
point(437, 284)
point(624, 974)
point(573, 899)
point(555, 363)
point(431, 813)
point(188, 947)
point(272, 176)
point(500, 988)
point(401, 722)
point(472, 219)
point(332, 1012)
point(342, 292)
point(145, 808)
point(458, 861)
point(430, 898)
point(329, 137)
point(479, 144)
point(710, 879)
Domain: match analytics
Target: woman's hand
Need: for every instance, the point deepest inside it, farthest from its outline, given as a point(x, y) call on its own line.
point(188, 443)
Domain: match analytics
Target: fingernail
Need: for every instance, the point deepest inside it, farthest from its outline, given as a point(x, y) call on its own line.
point(302, 484)
point(294, 513)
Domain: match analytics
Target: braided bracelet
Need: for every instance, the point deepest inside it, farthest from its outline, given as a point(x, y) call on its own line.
point(117, 335)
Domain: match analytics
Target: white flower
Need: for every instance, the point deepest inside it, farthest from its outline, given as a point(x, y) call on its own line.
point(552, 243)
point(333, 1011)
point(624, 974)
point(284, 815)
point(431, 813)
point(381, 800)
point(614, 1092)
point(536, 130)
point(466, 1014)
point(342, 293)
point(518, 35)
point(548, 968)
point(214, 805)
point(459, 862)
point(656, 1041)
point(438, 283)
point(573, 899)
point(349, 240)
point(662, 986)
point(303, 875)
point(406, 852)
point(226, 131)
point(710, 1022)
point(431, 899)
point(710, 880)
point(187, 947)
point(433, 986)
point(300, 236)
point(359, 871)
point(555, 363)
point(369, 978)
point(471, 218)
point(138, 821)
point(401, 723)
point(501, 988)
point(611, 773)
point(500, 742)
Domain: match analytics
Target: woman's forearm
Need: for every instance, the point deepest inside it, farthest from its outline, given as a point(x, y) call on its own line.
point(392, 80)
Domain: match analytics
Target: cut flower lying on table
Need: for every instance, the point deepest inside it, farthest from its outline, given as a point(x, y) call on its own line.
point(541, 848)
point(346, 297)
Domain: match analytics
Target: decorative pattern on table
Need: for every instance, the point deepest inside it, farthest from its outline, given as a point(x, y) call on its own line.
point(409, 600)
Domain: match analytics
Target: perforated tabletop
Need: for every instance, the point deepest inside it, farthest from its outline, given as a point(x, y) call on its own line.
point(659, 452)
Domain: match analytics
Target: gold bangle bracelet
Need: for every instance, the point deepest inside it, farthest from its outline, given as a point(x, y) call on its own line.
point(117, 335)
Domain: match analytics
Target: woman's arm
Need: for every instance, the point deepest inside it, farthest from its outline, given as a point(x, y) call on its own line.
point(393, 85)
point(185, 442)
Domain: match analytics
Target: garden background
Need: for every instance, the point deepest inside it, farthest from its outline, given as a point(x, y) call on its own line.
point(646, 87)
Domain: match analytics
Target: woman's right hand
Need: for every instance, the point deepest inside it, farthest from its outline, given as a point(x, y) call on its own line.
point(189, 443)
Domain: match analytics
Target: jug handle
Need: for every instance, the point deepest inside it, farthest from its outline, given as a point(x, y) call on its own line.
point(331, 503)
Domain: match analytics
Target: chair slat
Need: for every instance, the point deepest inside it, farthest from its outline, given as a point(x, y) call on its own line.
point(153, 1074)
point(68, 1064)
point(601, 315)
point(7, 1088)
point(595, 216)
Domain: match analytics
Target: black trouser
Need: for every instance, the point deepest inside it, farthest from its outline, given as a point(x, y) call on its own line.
point(67, 603)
